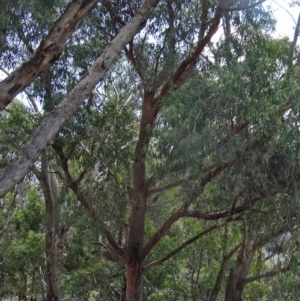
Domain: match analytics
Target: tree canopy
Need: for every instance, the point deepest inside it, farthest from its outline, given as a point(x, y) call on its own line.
point(147, 159)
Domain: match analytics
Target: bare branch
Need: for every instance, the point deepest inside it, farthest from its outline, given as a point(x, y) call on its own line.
point(136, 63)
point(189, 64)
point(7, 223)
point(163, 229)
point(296, 35)
point(112, 12)
point(170, 185)
point(285, 10)
point(31, 99)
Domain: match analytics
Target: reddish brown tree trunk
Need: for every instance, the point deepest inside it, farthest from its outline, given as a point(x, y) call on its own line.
point(134, 266)
point(134, 285)
point(138, 194)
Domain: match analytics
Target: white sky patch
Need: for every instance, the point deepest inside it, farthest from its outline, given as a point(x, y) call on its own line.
point(286, 18)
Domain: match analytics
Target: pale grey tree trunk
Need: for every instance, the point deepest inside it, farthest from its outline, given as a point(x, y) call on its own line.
point(15, 171)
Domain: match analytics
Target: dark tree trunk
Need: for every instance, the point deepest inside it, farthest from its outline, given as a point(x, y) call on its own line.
point(54, 235)
point(238, 273)
point(138, 194)
point(134, 285)
point(1, 279)
point(22, 286)
point(134, 266)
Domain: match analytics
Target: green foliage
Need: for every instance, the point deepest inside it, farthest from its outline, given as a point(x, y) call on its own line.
point(240, 103)
point(31, 217)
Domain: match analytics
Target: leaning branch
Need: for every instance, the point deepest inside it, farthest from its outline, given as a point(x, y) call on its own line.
point(170, 185)
point(15, 171)
point(185, 244)
point(190, 63)
point(4, 228)
point(113, 14)
point(162, 230)
point(32, 101)
point(48, 52)
point(244, 7)
point(268, 274)
point(190, 241)
point(296, 35)
point(215, 216)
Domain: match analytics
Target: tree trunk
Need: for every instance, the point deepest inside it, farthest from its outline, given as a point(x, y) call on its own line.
point(134, 266)
point(139, 194)
point(238, 273)
point(22, 286)
point(134, 285)
point(1, 279)
point(54, 239)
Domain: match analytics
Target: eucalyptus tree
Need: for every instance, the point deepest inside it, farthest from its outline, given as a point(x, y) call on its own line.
point(191, 117)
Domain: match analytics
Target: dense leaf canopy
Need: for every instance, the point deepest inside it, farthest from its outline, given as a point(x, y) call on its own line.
point(146, 159)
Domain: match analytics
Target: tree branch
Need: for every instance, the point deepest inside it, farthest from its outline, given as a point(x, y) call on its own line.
point(214, 293)
point(31, 99)
point(190, 63)
point(271, 273)
point(74, 186)
point(162, 230)
point(15, 171)
point(215, 216)
point(170, 185)
point(244, 7)
point(112, 12)
point(293, 45)
point(182, 210)
point(182, 246)
point(137, 65)
point(48, 52)
point(7, 222)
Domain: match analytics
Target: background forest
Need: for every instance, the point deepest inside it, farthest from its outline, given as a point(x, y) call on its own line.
point(153, 153)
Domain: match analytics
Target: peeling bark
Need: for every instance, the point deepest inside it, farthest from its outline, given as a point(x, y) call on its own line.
point(48, 52)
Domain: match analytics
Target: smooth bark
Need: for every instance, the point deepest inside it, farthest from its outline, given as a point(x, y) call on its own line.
point(15, 171)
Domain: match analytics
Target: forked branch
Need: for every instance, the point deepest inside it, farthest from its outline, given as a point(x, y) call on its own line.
point(183, 209)
point(74, 186)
